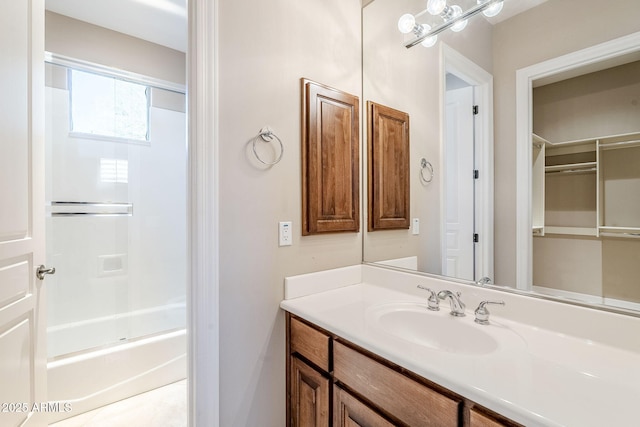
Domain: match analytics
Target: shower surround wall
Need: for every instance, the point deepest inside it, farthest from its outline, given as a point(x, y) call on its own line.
point(111, 266)
point(138, 280)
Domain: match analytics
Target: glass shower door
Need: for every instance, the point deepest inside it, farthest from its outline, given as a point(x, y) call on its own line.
point(116, 195)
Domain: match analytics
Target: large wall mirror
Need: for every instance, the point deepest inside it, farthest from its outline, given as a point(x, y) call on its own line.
point(540, 190)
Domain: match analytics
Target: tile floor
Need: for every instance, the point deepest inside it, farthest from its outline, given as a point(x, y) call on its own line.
point(163, 407)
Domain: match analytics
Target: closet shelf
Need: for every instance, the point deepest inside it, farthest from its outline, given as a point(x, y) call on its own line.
point(573, 167)
point(618, 145)
point(606, 230)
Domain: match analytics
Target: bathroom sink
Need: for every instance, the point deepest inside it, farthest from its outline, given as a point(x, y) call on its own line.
point(435, 330)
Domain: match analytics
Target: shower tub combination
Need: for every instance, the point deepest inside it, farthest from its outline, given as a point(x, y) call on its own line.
point(116, 233)
point(93, 378)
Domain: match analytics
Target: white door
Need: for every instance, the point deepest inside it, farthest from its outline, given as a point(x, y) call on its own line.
point(22, 320)
point(458, 185)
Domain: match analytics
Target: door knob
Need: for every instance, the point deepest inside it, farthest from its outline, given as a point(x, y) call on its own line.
point(42, 271)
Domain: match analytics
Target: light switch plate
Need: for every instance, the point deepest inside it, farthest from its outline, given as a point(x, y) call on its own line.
point(415, 226)
point(285, 233)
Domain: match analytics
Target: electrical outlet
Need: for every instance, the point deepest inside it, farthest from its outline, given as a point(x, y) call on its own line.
point(285, 233)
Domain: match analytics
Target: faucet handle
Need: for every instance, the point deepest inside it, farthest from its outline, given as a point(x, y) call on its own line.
point(484, 281)
point(433, 303)
point(482, 313)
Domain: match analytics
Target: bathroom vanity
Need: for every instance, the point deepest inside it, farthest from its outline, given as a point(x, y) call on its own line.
point(364, 349)
point(364, 386)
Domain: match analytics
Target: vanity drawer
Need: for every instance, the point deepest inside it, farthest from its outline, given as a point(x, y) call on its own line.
point(310, 343)
point(414, 405)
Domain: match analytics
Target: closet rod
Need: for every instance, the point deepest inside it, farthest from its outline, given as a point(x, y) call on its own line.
point(621, 144)
point(569, 171)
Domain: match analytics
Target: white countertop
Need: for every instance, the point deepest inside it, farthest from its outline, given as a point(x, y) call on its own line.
point(535, 376)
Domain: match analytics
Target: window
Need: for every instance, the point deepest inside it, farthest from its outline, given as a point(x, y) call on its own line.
point(108, 107)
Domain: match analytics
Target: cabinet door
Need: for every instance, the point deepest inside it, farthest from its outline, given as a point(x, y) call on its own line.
point(330, 160)
point(309, 396)
point(388, 159)
point(350, 412)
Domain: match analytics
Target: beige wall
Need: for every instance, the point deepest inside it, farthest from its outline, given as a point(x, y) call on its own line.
point(552, 29)
point(80, 40)
point(265, 48)
point(596, 104)
point(568, 263)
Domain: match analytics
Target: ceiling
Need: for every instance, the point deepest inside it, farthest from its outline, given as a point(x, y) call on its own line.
point(513, 7)
point(163, 22)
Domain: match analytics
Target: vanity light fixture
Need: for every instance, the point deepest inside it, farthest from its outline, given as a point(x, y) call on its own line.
point(452, 17)
point(407, 24)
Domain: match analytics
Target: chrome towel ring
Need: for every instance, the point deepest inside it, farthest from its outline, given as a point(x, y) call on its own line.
point(425, 165)
point(267, 135)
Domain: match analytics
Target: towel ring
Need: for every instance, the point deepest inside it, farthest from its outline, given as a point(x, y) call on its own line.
point(267, 135)
point(425, 165)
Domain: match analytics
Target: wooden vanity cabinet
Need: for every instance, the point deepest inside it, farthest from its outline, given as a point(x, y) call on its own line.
point(308, 382)
point(349, 411)
point(333, 382)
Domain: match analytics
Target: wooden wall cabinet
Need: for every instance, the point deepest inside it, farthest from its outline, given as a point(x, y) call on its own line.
point(388, 167)
point(330, 160)
point(366, 390)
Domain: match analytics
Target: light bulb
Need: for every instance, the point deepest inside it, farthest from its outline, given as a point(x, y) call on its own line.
point(460, 25)
point(429, 41)
point(406, 23)
point(492, 10)
point(435, 7)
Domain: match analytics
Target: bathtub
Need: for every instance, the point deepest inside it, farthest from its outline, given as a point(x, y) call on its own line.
point(93, 378)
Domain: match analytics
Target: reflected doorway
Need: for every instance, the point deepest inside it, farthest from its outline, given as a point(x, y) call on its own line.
point(467, 169)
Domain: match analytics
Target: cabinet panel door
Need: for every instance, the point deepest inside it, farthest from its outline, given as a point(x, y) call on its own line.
point(309, 396)
point(388, 159)
point(350, 412)
point(330, 160)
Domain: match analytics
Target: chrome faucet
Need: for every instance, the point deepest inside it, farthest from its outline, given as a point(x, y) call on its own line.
point(484, 281)
point(433, 303)
point(457, 306)
point(482, 313)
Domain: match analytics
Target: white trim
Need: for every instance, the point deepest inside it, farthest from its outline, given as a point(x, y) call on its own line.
point(455, 63)
point(524, 129)
point(92, 67)
point(204, 370)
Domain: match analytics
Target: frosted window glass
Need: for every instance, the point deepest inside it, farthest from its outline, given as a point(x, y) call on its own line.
point(105, 106)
